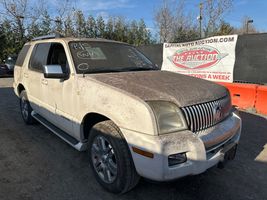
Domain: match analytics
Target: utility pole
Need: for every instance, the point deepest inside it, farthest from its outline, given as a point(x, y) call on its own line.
point(200, 19)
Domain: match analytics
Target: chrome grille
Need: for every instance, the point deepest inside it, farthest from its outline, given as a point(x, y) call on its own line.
point(205, 115)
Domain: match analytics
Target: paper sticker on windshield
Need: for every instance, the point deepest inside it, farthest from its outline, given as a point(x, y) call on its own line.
point(92, 53)
point(83, 67)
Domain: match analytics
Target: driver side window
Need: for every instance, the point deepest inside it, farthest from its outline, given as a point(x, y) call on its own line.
point(57, 56)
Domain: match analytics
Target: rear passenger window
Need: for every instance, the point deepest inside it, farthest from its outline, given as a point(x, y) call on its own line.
point(39, 56)
point(22, 55)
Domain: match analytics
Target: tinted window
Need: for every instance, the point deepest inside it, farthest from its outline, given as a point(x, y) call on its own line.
point(39, 56)
point(57, 56)
point(97, 57)
point(22, 55)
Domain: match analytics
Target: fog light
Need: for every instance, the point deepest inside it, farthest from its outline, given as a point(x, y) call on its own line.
point(176, 159)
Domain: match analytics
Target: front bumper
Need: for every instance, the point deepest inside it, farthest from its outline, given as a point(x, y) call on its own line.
point(203, 150)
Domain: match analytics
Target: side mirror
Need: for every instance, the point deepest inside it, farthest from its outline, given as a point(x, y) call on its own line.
point(54, 71)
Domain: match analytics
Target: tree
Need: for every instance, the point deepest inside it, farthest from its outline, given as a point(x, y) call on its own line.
point(143, 34)
point(58, 25)
point(109, 29)
point(132, 33)
point(174, 25)
point(2, 42)
point(63, 10)
point(213, 12)
point(45, 25)
point(225, 29)
point(16, 10)
point(91, 26)
point(183, 35)
point(80, 24)
point(19, 23)
point(34, 29)
point(100, 24)
point(120, 30)
point(68, 27)
point(164, 21)
point(11, 43)
point(245, 27)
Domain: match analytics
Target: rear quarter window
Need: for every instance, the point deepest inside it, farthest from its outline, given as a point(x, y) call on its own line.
point(22, 55)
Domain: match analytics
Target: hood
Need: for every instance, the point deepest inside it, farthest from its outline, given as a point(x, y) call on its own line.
point(162, 85)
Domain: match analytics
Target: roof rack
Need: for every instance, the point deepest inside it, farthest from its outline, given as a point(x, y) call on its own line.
point(51, 36)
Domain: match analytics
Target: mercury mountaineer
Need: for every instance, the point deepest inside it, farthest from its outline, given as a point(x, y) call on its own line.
point(134, 120)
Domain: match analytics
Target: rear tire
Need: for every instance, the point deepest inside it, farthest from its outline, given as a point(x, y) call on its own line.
point(25, 108)
point(110, 158)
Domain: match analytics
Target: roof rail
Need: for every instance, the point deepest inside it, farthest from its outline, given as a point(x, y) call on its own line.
point(51, 36)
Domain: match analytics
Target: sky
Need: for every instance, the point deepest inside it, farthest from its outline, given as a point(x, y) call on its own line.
point(137, 9)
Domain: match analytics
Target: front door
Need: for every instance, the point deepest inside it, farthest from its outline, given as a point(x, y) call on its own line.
point(60, 91)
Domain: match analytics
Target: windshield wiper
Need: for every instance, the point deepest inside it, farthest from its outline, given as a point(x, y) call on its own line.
point(139, 69)
point(120, 70)
point(102, 71)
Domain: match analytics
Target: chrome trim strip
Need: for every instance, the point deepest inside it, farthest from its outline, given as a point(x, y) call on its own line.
point(220, 144)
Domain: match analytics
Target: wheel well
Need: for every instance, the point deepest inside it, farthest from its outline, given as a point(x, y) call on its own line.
point(90, 120)
point(20, 88)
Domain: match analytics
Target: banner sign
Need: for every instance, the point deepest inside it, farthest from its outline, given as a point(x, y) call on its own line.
point(210, 58)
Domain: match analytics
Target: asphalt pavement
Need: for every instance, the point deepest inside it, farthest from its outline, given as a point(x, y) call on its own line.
point(36, 165)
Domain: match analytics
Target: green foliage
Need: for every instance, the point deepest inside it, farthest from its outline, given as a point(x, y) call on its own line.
point(2, 42)
point(143, 34)
point(34, 30)
point(10, 43)
point(91, 26)
point(184, 35)
point(120, 30)
point(109, 29)
point(100, 24)
point(133, 34)
point(81, 29)
point(15, 32)
point(68, 27)
point(45, 24)
point(225, 29)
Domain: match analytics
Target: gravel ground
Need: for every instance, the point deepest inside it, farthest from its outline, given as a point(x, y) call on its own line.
point(35, 164)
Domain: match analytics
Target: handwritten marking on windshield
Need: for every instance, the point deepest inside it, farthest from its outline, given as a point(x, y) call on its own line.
point(83, 66)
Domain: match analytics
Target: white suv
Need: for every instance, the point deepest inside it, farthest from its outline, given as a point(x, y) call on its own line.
point(135, 120)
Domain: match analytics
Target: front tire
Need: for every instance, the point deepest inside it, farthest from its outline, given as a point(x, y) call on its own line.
point(110, 158)
point(25, 108)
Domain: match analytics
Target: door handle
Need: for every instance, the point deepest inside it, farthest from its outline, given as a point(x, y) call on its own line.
point(26, 75)
point(44, 82)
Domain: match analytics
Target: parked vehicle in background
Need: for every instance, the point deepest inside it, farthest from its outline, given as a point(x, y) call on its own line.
point(133, 119)
point(9, 64)
point(3, 70)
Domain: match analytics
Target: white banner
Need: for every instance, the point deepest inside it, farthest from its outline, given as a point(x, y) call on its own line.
point(210, 58)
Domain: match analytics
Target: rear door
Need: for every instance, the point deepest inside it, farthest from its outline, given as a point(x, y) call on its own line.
point(36, 83)
point(20, 71)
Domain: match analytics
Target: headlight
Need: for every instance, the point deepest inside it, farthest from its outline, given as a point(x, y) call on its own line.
point(169, 117)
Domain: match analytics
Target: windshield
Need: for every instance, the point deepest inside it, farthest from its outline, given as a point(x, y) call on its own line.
point(97, 57)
